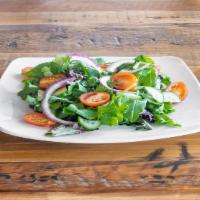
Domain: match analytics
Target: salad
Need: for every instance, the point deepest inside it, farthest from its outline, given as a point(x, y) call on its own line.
point(73, 94)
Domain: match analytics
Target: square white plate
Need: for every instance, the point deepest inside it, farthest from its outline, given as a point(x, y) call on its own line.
point(12, 108)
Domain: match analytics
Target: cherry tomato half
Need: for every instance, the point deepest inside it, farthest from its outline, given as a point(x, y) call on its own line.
point(94, 99)
point(38, 119)
point(46, 81)
point(103, 66)
point(26, 69)
point(180, 89)
point(124, 81)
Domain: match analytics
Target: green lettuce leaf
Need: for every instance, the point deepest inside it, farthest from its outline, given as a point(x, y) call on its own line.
point(164, 119)
point(30, 88)
point(87, 113)
point(147, 77)
point(121, 109)
point(142, 58)
point(46, 69)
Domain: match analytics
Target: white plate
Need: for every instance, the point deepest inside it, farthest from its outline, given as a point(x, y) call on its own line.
point(12, 108)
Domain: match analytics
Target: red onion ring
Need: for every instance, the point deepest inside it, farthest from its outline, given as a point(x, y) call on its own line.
point(85, 60)
point(113, 67)
point(48, 93)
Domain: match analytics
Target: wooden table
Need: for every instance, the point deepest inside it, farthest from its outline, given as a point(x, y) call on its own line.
point(163, 169)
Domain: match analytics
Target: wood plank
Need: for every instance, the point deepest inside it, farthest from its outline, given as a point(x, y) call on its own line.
point(33, 151)
point(107, 40)
point(88, 18)
point(151, 173)
point(101, 196)
point(95, 5)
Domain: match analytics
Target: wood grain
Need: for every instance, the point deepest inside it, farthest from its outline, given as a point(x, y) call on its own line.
point(162, 169)
point(96, 5)
point(151, 171)
point(112, 196)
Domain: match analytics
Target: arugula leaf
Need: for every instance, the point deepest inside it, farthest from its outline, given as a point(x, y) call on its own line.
point(54, 98)
point(121, 109)
point(45, 69)
point(128, 66)
point(30, 94)
point(147, 77)
point(160, 108)
point(110, 114)
point(76, 67)
point(30, 88)
point(37, 71)
point(31, 100)
point(142, 58)
point(135, 107)
point(165, 81)
point(92, 81)
point(142, 124)
point(164, 119)
point(167, 108)
point(86, 113)
point(63, 61)
point(76, 89)
point(73, 110)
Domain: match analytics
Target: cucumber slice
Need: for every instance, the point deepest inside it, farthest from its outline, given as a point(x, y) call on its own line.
point(171, 97)
point(156, 94)
point(131, 95)
point(89, 124)
point(40, 95)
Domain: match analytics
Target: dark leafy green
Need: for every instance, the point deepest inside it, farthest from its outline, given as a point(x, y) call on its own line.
point(164, 119)
point(121, 109)
point(147, 77)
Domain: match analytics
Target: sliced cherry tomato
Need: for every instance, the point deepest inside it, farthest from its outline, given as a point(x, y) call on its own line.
point(103, 66)
point(180, 89)
point(45, 82)
point(94, 99)
point(26, 69)
point(124, 81)
point(38, 119)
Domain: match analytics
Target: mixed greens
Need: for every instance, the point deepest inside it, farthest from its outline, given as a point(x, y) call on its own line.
point(72, 94)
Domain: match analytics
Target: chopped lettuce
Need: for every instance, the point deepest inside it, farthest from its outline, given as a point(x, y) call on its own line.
point(147, 77)
point(121, 109)
point(164, 119)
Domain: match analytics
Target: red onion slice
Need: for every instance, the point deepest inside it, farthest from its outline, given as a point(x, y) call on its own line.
point(103, 80)
point(113, 67)
point(49, 92)
point(87, 61)
point(137, 69)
